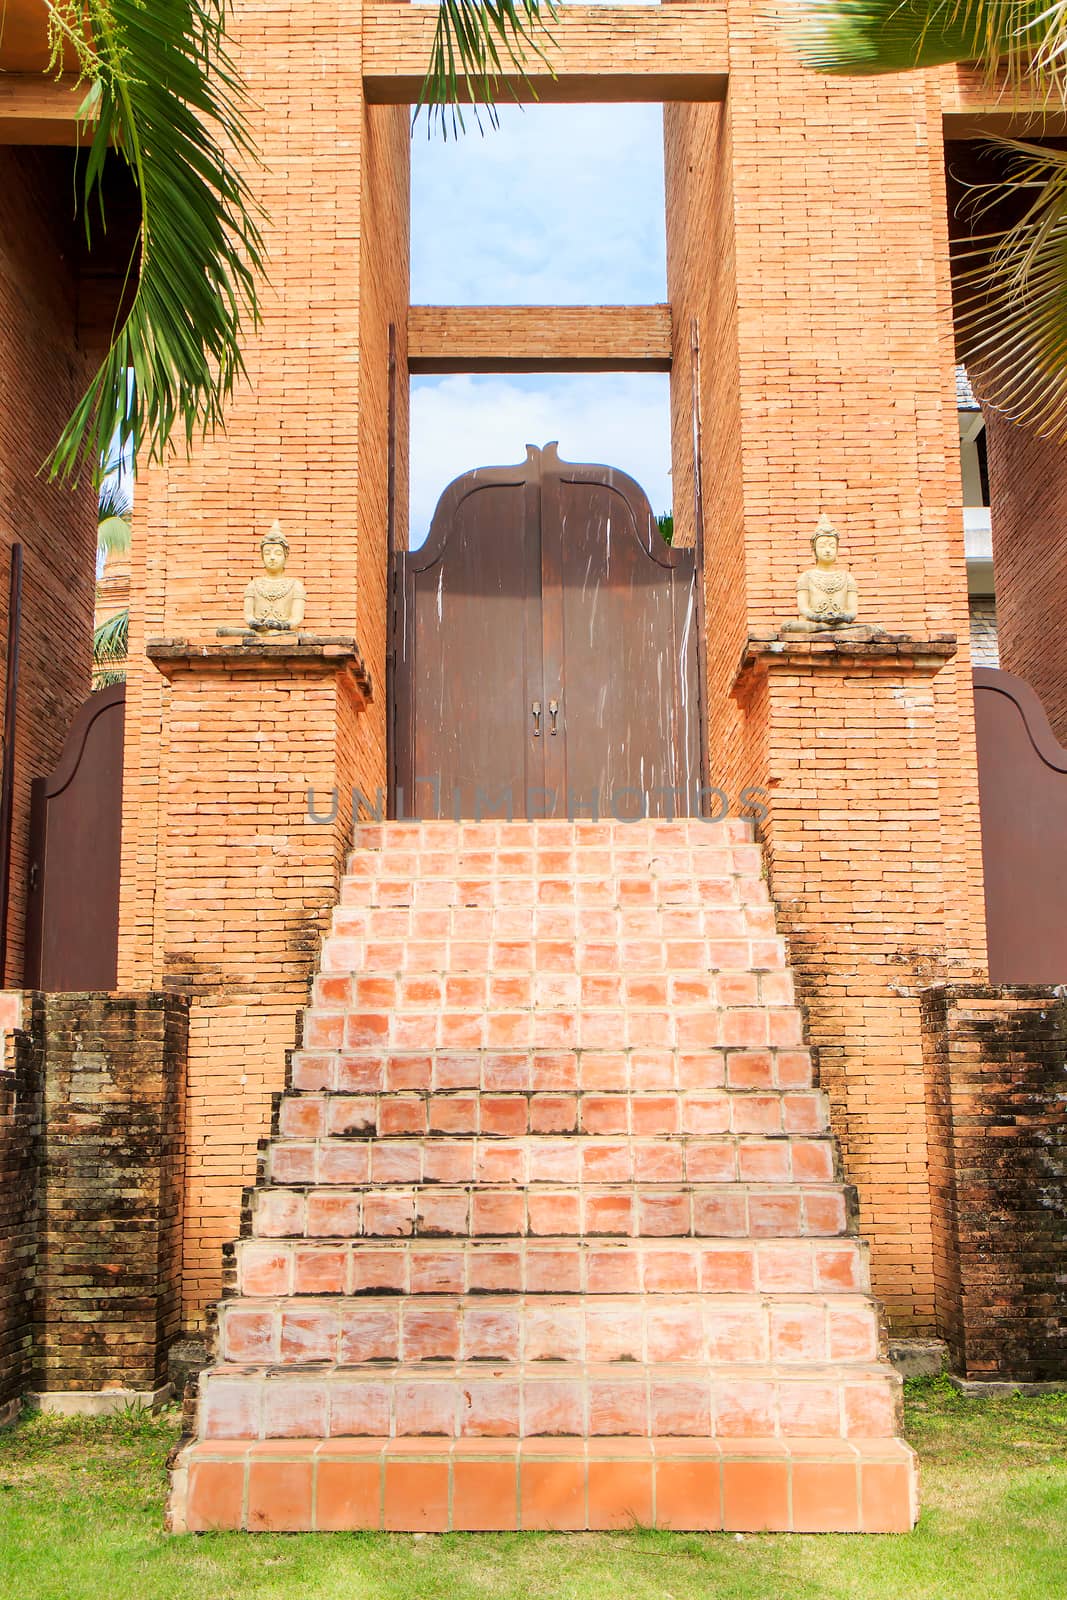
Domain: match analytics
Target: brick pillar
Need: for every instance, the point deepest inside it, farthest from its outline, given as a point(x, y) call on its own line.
point(808, 240)
point(999, 1165)
point(111, 1171)
point(222, 879)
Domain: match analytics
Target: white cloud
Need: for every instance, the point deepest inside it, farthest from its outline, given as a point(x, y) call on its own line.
point(620, 419)
point(562, 205)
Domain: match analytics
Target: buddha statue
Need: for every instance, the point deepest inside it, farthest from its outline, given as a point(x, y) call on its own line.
point(826, 593)
point(273, 602)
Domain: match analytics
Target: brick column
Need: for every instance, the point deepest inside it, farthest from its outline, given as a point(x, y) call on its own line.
point(222, 879)
point(853, 833)
point(110, 1190)
point(261, 741)
point(808, 241)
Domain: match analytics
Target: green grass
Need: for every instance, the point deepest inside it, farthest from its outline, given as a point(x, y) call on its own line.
point(81, 1506)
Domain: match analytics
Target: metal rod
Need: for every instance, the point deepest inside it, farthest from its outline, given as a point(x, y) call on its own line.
point(698, 513)
point(7, 774)
point(391, 588)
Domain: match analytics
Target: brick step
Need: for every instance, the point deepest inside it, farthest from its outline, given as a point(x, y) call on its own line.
point(479, 1210)
point(549, 1266)
point(310, 1115)
point(549, 940)
point(594, 891)
point(473, 855)
point(540, 1159)
point(561, 1027)
point(524, 1399)
point(551, 832)
point(432, 1485)
point(703, 1329)
point(378, 990)
point(534, 1071)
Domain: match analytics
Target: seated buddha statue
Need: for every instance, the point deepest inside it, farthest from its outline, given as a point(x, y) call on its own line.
point(826, 593)
point(273, 602)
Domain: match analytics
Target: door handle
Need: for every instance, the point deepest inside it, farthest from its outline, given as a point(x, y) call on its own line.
point(535, 710)
point(553, 711)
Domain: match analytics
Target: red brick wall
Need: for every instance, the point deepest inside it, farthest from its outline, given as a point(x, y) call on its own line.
point(42, 375)
point(1028, 505)
point(92, 1163)
point(998, 1173)
point(111, 1178)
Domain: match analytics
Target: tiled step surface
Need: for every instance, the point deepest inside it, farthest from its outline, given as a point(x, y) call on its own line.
point(432, 1485)
point(728, 1158)
point(295, 1330)
point(701, 1210)
point(480, 1267)
point(493, 1115)
point(522, 1399)
point(550, 1231)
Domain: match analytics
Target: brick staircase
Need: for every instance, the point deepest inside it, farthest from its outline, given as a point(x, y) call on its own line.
point(550, 1232)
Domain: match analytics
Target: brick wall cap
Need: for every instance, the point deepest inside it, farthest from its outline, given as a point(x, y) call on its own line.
point(314, 654)
point(769, 649)
point(1039, 993)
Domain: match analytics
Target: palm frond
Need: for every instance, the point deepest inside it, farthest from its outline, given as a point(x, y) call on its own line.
point(112, 536)
point(475, 43)
point(163, 93)
point(1020, 46)
point(111, 639)
point(114, 498)
point(1011, 302)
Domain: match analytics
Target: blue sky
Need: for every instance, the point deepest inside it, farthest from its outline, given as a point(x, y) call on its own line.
point(563, 205)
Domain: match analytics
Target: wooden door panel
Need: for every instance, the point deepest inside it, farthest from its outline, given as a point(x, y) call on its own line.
point(620, 655)
point(545, 584)
point(468, 652)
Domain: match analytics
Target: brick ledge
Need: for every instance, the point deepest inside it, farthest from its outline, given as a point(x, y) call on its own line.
point(770, 650)
point(312, 654)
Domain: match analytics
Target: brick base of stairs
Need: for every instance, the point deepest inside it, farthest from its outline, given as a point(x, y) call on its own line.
point(550, 1232)
point(433, 1485)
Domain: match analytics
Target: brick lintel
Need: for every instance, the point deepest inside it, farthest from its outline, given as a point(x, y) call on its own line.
point(539, 339)
point(591, 53)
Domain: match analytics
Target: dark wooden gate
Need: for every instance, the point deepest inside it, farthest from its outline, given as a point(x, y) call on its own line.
point(545, 652)
point(72, 908)
point(1022, 785)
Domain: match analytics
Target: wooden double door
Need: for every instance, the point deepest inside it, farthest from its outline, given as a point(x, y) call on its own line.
point(545, 652)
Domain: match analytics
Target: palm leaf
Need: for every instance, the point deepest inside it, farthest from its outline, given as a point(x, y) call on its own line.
point(164, 94)
point(1011, 300)
point(111, 639)
point(475, 43)
point(1022, 47)
point(112, 536)
point(114, 498)
point(1011, 285)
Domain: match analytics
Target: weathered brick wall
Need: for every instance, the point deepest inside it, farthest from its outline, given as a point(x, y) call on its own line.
point(1028, 506)
point(996, 1058)
point(110, 1186)
point(20, 1151)
point(42, 374)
